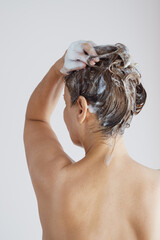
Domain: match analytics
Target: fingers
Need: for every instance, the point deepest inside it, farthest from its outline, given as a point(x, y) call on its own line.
point(79, 50)
point(89, 48)
point(82, 57)
point(92, 43)
point(80, 65)
point(75, 65)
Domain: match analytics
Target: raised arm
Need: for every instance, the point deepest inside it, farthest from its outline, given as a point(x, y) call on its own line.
point(44, 153)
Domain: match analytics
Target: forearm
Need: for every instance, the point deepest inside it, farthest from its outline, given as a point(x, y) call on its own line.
point(46, 95)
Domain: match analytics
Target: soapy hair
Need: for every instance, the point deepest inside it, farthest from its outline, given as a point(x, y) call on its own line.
point(111, 87)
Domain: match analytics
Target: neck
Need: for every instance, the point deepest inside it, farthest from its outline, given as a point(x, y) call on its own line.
point(110, 150)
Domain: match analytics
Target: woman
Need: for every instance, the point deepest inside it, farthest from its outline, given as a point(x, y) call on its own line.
point(107, 194)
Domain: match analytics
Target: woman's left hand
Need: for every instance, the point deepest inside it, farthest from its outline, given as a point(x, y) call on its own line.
point(75, 57)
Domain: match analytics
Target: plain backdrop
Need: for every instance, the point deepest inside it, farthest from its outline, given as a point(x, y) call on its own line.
point(35, 34)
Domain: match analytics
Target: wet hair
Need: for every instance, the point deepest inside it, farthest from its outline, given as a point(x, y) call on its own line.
point(111, 87)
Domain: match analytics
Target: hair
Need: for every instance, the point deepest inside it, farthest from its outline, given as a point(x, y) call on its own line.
point(112, 87)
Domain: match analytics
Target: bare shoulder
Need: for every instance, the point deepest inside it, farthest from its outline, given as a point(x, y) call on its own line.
point(146, 182)
point(151, 180)
point(146, 212)
point(152, 184)
point(152, 204)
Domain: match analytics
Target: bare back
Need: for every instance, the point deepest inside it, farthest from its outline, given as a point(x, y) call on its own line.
point(87, 203)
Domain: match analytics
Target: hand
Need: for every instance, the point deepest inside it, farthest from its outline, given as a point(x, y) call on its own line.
point(75, 58)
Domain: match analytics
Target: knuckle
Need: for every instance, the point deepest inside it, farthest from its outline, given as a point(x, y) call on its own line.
point(92, 43)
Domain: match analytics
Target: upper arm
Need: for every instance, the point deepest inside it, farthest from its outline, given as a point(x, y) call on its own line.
point(44, 153)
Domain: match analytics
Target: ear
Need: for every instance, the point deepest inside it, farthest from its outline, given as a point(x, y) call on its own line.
point(82, 109)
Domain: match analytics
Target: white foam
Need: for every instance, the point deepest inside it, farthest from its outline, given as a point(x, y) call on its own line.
point(92, 109)
point(108, 160)
point(102, 85)
point(75, 52)
point(98, 103)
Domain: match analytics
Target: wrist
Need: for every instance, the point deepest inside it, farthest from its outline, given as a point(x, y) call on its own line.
point(58, 66)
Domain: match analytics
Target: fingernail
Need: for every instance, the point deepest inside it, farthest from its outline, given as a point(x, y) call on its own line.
point(92, 63)
point(96, 59)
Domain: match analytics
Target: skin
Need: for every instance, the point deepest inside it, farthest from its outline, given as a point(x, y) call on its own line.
point(124, 188)
point(86, 199)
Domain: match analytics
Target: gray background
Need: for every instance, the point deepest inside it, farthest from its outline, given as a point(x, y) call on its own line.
point(35, 34)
